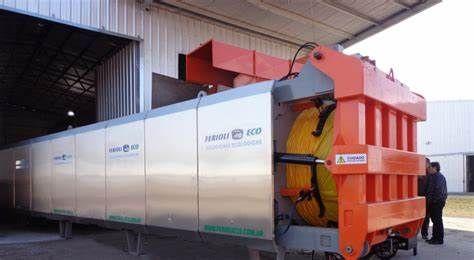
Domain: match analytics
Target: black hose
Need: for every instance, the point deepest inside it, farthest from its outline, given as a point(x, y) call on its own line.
point(311, 45)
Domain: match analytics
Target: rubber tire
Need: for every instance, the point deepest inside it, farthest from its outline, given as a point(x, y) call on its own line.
point(388, 256)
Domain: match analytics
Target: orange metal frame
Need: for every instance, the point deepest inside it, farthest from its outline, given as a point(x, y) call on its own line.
point(376, 115)
point(218, 63)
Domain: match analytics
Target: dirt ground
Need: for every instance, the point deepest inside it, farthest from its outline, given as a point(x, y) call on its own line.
point(460, 206)
point(42, 242)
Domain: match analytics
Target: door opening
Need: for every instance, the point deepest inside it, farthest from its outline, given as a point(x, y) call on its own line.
point(470, 173)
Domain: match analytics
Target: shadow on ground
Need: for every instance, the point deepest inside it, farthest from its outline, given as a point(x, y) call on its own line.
point(41, 241)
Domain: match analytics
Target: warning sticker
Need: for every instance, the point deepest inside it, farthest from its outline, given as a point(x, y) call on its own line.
point(351, 158)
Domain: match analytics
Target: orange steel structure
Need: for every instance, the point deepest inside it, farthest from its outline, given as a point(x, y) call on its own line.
point(376, 115)
point(218, 63)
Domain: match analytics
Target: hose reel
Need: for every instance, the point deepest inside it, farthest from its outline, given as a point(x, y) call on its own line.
point(308, 144)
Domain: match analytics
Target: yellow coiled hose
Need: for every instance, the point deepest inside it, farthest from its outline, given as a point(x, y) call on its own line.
point(302, 141)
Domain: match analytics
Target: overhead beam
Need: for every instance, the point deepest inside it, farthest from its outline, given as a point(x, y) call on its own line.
point(51, 60)
point(71, 64)
point(347, 10)
point(101, 59)
point(37, 49)
point(401, 4)
point(275, 9)
point(192, 9)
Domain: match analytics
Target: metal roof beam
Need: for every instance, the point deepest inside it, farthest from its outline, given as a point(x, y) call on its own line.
point(87, 71)
point(71, 64)
point(197, 11)
point(39, 43)
point(347, 10)
point(401, 4)
point(299, 18)
point(51, 60)
point(47, 73)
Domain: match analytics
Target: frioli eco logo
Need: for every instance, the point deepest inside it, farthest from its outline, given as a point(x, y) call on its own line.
point(234, 138)
point(62, 159)
point(237, 134)
point(124, 150)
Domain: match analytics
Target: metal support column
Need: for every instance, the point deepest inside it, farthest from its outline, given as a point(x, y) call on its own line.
point(134, 242)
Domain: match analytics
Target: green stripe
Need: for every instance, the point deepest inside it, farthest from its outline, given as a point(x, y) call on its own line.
point(234, 230)
point(63, 212)
point(125, 219)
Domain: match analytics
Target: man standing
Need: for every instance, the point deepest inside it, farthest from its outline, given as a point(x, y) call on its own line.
point(422, 184)
point(436, 195)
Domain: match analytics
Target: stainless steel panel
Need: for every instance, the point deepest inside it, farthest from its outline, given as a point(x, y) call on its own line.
point(171, 169)
point(90, 174)
point(235, 162)
point(21, 156)
point(307, 238)
point(63, 176)
point(41, 176)
point(125, 173)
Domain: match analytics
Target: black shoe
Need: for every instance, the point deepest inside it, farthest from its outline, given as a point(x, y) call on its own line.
point(424, 237)
point(435, 242)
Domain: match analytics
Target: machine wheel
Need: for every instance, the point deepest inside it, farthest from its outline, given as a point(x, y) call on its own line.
point(332, 256)
point(387, 249)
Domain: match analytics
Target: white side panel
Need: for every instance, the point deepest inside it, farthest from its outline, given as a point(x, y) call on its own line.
point(64, 188)
point(90, 174)
point(6, 178)
point(125, 173)
point(453, 169)
point(171, 167)
point(22, 180)
point(41, 176)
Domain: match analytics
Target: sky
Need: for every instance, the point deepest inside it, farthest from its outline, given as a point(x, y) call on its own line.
point(432, 52)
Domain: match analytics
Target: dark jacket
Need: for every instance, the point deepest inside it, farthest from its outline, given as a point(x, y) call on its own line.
point(422, 182)
point(436, 190)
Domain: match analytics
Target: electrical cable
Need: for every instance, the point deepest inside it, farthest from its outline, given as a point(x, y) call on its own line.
point(302, 141)
point(310, 45)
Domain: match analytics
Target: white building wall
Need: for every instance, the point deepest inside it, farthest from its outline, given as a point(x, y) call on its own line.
point(453, 169)
point(447, 136)
point(163, 32)
point(449, 128)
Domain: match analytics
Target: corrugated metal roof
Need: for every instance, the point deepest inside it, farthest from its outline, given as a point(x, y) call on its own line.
point(324, 21)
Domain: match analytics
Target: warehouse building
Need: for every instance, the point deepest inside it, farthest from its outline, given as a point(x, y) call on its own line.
point(72, 63)
point(108, 64)
point(448, 137)
point(106, 59)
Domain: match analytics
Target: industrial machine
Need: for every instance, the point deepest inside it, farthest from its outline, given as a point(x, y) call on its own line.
point(313, 154)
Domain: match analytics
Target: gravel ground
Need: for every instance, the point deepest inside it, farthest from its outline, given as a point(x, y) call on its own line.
point(42, 242)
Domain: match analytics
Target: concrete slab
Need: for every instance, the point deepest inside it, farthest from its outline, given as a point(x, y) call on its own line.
point(458, 242)
point(93, 243)
point(18, 234)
